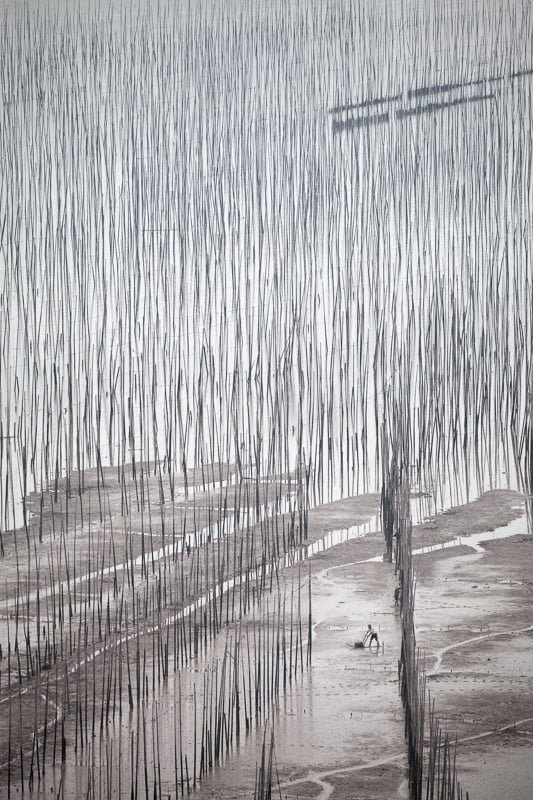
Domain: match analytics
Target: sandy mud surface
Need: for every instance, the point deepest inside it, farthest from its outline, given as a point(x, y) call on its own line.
point(475, 625)
point(340, 733)
point(339, 727)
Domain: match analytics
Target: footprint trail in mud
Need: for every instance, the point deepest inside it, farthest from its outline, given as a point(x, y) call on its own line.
point(320, 778)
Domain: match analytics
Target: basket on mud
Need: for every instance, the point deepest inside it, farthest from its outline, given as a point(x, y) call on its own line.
point(358, 644)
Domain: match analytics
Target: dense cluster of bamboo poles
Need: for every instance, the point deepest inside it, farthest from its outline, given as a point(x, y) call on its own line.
point(431, 752)
point(217, 310)
point(126, 668)
point(240, 276)
point(131, 597)
point(265, 771)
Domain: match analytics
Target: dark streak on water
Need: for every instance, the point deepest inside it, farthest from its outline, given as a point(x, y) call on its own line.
point(359, 122)
point(522, 73)
point(402, 113)
point(422, 91)
point(376, 101)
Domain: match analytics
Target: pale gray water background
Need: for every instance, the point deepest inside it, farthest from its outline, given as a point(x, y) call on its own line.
point(194, 264)
point(197, 265)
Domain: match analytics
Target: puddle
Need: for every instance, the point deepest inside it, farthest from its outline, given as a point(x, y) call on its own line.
point(515, 528)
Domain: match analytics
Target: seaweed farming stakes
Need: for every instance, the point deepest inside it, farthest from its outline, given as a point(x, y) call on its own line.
point(253, 265)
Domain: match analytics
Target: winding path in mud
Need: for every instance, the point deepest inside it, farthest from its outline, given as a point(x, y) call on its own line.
point(321, 778)
point(435, 669)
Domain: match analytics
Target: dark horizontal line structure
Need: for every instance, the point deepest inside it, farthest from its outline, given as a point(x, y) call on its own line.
point(360, 122)
point(401, 113)
point(407, 110)
point(366, 103)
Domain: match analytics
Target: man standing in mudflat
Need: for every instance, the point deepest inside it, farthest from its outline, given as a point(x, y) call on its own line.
point(373, 634)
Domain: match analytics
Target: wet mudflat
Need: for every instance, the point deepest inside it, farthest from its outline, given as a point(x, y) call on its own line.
point(344, 738)
point(475, 625)
point(121, 629)
point(338, 722)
